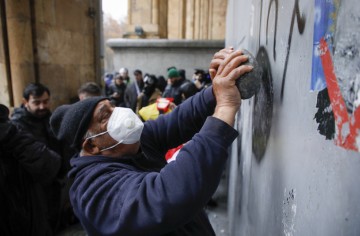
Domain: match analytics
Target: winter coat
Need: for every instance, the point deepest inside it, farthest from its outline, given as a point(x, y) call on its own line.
point(141, 194)
point(174, 91)
point(131, 95)
point(27, 166)
point(40, 129)
point(120, 90)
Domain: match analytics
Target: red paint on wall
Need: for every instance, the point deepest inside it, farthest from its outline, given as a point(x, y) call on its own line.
point(345, 137)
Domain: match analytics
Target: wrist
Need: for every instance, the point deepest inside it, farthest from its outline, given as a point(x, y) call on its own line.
point(226, 114)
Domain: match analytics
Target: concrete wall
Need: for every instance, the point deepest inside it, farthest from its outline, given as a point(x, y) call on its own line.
point(286, 176)
point(154, 56)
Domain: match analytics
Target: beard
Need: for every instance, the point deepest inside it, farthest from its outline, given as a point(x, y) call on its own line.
point(41, 113)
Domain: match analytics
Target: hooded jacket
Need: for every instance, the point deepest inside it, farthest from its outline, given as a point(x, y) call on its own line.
point(141, 194)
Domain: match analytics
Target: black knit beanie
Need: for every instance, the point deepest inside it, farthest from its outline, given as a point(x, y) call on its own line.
point(69, 123)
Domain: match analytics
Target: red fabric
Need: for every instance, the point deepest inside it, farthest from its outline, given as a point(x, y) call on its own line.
point(171, 152)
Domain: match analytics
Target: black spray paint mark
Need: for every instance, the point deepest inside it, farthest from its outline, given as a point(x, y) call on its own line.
point(267, 25)
point(324, 116)
point(263, 107)
point(301, 26)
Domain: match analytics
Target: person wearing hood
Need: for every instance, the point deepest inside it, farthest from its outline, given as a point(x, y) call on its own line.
point(122, 184)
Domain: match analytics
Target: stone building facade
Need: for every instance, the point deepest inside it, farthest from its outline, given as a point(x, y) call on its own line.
point(48, 41)
point(165, 33)
point(58, 42)
point(177, 19)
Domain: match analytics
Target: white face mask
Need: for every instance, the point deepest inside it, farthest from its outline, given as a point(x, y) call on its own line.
point(123, 126)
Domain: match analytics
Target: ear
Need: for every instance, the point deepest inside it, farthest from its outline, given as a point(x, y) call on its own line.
point(89, 148)
point(24, 102)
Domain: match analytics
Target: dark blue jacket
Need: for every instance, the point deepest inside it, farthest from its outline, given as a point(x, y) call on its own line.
point(142, 195)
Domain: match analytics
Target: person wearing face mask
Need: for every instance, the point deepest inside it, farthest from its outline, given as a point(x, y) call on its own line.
point(122, 184)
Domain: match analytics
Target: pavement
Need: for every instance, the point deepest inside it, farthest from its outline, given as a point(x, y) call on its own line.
point(218, 215)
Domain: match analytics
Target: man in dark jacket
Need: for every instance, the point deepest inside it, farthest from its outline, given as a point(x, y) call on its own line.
point(32, 117)
point(117, 91)
point(34, 114)
point(122, 184)
point(26, 167)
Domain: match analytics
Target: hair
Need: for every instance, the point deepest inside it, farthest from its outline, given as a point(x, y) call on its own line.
point(118, 77)
point(161, 83)
point(137, 72)
point(86, 135)
point(91, 88)
point(123, 70)
point(188, 89)
point(35, 89)
point(182, 73)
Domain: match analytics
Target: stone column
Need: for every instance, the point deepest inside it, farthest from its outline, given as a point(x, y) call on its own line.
point(176, 19)
point(20, 38)
point(5, 85)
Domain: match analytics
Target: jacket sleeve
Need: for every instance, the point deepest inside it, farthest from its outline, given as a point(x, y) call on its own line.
point(179, 126)
point(123, 201)
point(35, 157)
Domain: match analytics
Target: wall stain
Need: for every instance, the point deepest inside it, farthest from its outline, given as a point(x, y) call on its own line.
point(289, 212)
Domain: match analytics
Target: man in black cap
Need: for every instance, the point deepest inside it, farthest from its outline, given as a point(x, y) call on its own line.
point(122, 184)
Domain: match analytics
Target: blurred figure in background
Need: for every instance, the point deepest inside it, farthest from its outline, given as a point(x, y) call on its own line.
point(108, 80)
point(149, 93)
point(125, 75)
point(161, 84)
point(187, 90)
point(172, 89)
point(201, 79)
point(89, 89)
point(133, 90)
point(117, 92)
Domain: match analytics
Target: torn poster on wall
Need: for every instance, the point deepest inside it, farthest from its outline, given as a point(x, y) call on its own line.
point(336, 68)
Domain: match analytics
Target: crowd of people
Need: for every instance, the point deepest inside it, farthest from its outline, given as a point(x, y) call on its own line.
point(146, 88)
point(120, 181)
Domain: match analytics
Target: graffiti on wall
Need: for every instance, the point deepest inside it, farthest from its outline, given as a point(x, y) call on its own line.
point(335, 71)
point(263, 107)
point(263, 101)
